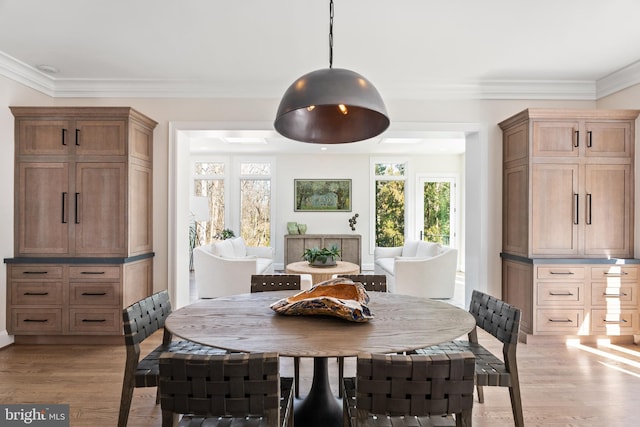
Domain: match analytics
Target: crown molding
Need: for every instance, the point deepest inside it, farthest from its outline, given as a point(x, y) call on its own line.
point(26, 75)
point(618, 80)
point(490, 89)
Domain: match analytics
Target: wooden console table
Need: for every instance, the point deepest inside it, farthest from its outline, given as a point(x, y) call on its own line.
point(350, 246)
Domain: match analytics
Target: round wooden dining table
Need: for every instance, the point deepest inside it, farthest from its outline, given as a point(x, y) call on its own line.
point(246, 323)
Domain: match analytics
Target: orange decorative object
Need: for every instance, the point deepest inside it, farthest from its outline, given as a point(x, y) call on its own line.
point(338, 297)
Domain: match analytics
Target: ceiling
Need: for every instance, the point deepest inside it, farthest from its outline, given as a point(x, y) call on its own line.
point(409, 49)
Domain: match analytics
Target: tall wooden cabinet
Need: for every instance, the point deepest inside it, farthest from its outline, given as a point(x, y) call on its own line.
point(83, 219)
point(568, 198)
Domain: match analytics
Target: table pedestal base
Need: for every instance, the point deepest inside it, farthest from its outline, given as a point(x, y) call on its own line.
point(320, 408)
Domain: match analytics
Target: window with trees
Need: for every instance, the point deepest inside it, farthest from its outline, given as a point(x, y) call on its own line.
point(255, 203)
point(236, 197)
point(209, 180)
point(390, 187)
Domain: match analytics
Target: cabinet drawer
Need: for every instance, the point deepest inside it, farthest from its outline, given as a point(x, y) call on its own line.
point(38, 272)
point(94, 321)
point(40, 293)
point(561, 272)
point(614, 322)
point(561, 321)
point(614, 294)
point(94, 272)
point(556, 294)
point(36, 320)
point(94, 293)
point(617, 272)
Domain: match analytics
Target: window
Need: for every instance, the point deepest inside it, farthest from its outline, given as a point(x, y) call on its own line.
point(389, 190)
point(209, 179)
point(234, 195)
point(255, 203)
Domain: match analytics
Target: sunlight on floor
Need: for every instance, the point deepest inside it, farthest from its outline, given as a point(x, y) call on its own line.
point(609, 353)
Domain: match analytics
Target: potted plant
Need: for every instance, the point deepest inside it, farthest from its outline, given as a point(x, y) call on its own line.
point(325, 257)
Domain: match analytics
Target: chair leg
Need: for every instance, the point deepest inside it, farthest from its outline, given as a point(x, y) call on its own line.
point(464, 419)
point(480, 394)
point(125, 402)
point(340, 375)
point(296, 376)
point(516, 405)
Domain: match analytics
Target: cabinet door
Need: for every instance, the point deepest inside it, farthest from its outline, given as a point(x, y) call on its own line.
point(43, 137)
point(100, 137)
point(556, 139)
point(100, 209)
point(608, 211)
point(555, 214)
point(140, 213)
point(515, 207)
point(42, 217)
point(607, 139)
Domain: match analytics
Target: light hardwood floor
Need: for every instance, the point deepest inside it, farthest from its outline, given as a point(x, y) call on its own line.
point(562, 385)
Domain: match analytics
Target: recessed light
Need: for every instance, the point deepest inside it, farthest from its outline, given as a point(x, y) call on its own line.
point(50, 69)
point(323, 148)
point(400, 140)
point(243, 140)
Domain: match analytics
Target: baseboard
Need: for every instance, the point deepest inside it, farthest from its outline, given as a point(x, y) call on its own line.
point(5, 339)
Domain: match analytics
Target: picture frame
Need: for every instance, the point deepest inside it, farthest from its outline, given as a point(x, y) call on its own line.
point(322, 195)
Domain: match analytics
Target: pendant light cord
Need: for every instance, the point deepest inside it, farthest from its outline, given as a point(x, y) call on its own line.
point(331, 34)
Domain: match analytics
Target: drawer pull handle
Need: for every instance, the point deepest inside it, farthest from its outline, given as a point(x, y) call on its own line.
point(567, 273)
point(92, 272)
point(36, 293)
point(36, 320)
point(561, 320)
point(94, 320)
point(614, 321)
point(94, 294)
point(621, 294)
point(561, 294)
point(606, 273)
point(34, 272)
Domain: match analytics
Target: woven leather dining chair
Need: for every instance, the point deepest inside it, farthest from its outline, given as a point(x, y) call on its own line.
point(502, 321)
point(279, 282)
point(372, 283)
point(409, 390)
point(274, 282)
point(141, 320)
point(238, 389)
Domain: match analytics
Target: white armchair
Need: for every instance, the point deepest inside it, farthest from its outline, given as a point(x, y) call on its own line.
point(225, 268)
point(422, 269)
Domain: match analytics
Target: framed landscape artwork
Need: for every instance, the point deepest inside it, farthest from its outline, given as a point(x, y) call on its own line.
point(322, 195)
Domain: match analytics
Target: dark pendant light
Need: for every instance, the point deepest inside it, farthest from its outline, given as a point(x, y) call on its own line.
point(331, 105)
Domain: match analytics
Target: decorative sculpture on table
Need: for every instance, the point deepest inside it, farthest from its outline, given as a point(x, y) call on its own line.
point(338, 297)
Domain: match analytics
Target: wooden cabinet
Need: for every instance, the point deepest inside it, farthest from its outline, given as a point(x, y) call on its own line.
point(83, 179)
point(349, 244)
point(568, 183)
point(72, 299)
point(568, 218)
point(573, 298)
point(83, 221)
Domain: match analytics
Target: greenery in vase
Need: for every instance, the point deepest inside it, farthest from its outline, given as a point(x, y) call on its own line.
point(225, 234)
point(321, 255)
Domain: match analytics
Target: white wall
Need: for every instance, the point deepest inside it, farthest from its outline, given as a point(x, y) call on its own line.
point(354, 167)
point(166, 111)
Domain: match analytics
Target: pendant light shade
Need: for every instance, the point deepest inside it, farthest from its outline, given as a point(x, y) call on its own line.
point(331, 106)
